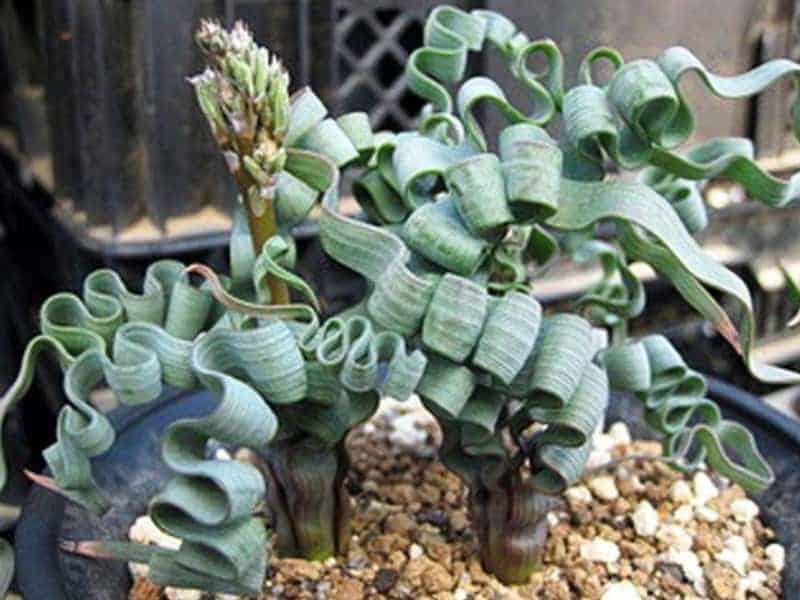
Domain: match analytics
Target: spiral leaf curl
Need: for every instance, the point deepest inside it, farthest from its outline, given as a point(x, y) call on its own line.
point(675, 406)
point(456, 319)
point(376, 253)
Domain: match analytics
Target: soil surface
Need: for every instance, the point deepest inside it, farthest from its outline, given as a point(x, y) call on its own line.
point(636, 530)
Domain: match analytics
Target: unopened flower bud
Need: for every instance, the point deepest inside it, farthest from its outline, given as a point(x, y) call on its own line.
point(260, 70)
point(211, 37)
point(255, 170)
point(241, 74)
point(240, 38)
point(279, 99)
point(278, 161)
point(207, 92)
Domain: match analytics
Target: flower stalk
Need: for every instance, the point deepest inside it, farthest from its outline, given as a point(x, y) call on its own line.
point(244, 95)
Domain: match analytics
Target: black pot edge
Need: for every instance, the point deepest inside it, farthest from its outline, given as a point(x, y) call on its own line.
point(751, 406)
point(39, 524)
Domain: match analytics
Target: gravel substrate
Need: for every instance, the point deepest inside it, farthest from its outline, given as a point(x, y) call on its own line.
point(640, 530)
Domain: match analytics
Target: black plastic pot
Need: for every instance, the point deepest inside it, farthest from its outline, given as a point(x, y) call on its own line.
point(132, 472)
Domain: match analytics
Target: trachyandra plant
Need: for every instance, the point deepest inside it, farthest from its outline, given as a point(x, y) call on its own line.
point(457, 225)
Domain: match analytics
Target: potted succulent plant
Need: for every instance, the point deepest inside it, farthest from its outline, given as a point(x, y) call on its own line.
point(456, 224)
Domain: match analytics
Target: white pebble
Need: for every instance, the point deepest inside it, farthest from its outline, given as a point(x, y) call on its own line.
point(227, 597)
point(753, 581)
point(776, 556)
point(681, 492)
point(704, 488)
point(707, 514)
point(182, 594)
point(675, 537)
point(460, 594)
point(144, 531)
point(603, 442)
point(633, 481)
point(222, 454)
point(744, 510)
point(687, 561)
point(645, 519)
point(600, 550)
point(620, 434)
point(406, 432)
point(552, 519)
point(597, 458)
point(604, 487)
point(683, 514)
point(579, 494)
point(735, 554)
point(623, 590)
point(139, 570)
point(415, 551)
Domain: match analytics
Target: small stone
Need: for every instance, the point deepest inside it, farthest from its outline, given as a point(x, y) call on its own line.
point(415, 551)
point(687, 561)
point(578, 494)
point(597, 458)
point(776, 556)
point(735, 554)
point(144, 531)
point(744, 510)
point(139, 570)
point(602, 442)
point(406, 432)
point(387, 543)
point(645, 519)
point(600, 550)
point(753, 581)
point(683, 514)
point(460, 594)
point(622, 590)
point(399, 523)
point(397, 560)
point(222, 454)
point(604, 488)
point(172, 593)
point(681, 492)
point(675, 537)
point(142, 589)
point(459, 521)
point(722, 581)
point(704, 488)
point(552, 519)
point(706, 514)
point(385, 579)
point(629, 484)
point(422, 572)
point(620, 433)
point(437, 579)
point(429, 493)
point(347, 589)
point(300, 570)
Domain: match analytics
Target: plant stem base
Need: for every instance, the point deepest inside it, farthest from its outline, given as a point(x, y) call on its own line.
point(308, 505)
point(510, 522)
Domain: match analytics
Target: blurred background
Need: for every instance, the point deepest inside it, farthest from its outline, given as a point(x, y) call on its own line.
point(105, 160)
